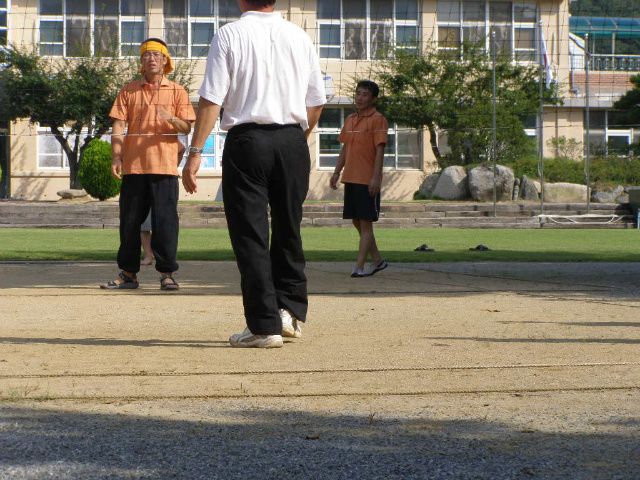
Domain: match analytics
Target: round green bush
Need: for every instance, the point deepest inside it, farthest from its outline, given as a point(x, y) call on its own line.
point(95, 171)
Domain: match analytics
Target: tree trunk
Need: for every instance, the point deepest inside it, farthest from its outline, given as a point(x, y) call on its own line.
point(433, 139)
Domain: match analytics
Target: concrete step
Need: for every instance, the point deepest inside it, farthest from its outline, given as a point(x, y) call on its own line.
point(19, 214)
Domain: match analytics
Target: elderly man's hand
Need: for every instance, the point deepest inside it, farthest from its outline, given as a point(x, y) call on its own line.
point(189, 172)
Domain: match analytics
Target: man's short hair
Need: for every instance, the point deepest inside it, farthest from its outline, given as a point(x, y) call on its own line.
point(261, 3)
point(371, 86)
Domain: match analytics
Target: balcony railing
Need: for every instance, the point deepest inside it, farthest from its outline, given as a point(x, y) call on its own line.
point(614, 63)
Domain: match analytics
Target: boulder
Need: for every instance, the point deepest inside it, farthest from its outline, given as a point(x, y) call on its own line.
point(529, 189)
point(429, 183)
point(607, 195)
point(481, 181)
point(562, 192)
point(453, 184)
point(71, 193)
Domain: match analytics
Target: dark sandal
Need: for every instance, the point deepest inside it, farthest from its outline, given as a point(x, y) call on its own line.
point(172, 285)
point(127, 283)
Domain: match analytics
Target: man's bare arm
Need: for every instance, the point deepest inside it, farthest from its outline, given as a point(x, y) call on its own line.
point(117, 139)
point(313, 115)
point(208, 113)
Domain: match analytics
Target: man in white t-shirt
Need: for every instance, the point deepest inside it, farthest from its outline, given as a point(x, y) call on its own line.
point(265, 72)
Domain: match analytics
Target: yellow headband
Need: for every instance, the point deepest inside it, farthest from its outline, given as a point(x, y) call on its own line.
point(153, 46)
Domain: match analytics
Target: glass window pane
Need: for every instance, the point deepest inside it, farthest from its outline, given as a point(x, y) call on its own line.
point(3, 37)
point(106, 37)
point(354, 9)
point(381, 10)
point(330, 118)
point(78, 37)
point(500, 12)
point(175, 34)
point(228, 9)
point(105, 7)
point(175, 8)
point(77, 7)
point(50, 7)
point(524, 12)
point(380, 38)
point(354, 41)
point(133, 32)
point(473, 11)
point(202, 33)
point(330, 34)
point(449, 37)
point(473, 34)
point(502, 38)
point(449, 12)
point(525, 38)
point(409, 149)
point(407, 9)
point(329, 52)
point(50, 31)
point(199, 50)
point(132, 7)
point(328, 9)
point(327, 161)
point(390, 148)
point(329, 143)
point(407, 35)
point(201, 8)
point(47, 144)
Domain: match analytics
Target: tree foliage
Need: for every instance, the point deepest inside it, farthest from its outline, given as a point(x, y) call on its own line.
point(71, 97)
point(437, 91)
point(629, 104)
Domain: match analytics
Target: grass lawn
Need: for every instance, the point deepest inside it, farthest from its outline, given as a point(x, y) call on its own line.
point(340, 244)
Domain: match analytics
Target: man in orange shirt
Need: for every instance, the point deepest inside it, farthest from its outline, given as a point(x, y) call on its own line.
point(155, 110)
point(364, 136)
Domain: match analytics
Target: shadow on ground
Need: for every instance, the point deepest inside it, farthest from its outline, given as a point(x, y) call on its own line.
point(279, 443)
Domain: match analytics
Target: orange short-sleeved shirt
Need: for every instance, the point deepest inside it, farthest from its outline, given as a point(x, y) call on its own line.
point(360, 136)
point(151, 145)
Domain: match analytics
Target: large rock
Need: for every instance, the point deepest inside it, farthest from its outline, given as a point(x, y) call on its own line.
point(71, 193)
point(607, 195)
point(481, 181)
point(453, 184)
point(429, 183)
point(529, 189)
point(565, 193)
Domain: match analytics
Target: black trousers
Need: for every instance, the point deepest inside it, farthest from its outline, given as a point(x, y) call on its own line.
point(267, 166)
point(137, 195)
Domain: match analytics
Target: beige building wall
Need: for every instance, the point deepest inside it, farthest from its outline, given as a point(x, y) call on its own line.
point(30, 182)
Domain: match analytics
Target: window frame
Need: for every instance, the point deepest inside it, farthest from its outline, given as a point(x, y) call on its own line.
point(6, 27)
point(516, 51)
point(341, 24)
point(189, 20)
point(63, 19)
point(392, 133)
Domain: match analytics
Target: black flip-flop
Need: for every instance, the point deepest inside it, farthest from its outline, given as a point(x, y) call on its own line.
point(480, 248)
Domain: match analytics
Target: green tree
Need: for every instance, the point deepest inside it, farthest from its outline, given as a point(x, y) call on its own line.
point(439, 91)
point(71, 97)
point(629, 104)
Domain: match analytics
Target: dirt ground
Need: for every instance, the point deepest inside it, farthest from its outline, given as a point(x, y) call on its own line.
point(533, 351)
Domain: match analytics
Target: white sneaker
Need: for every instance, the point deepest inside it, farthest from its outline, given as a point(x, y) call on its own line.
point(373, 269)
point(290, 325)
point(358, 273)
point(247, 339)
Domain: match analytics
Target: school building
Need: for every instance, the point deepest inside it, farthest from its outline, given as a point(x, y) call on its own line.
point(349, 35)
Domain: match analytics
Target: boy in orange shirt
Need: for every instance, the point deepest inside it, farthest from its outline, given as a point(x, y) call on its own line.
point(364, 136)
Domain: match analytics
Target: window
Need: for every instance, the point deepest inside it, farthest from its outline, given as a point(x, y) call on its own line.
point(190, 24)
point(362, 29)
point(607, 134)
point(212, 151)
point(4, 22)
point(76, 28)
point(514, 25)
point(403, 150)
point(50, 154)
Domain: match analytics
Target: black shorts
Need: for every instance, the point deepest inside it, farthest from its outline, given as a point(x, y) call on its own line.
point(358, 204)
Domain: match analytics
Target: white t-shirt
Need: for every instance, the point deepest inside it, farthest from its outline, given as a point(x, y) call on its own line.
point(263, 69)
